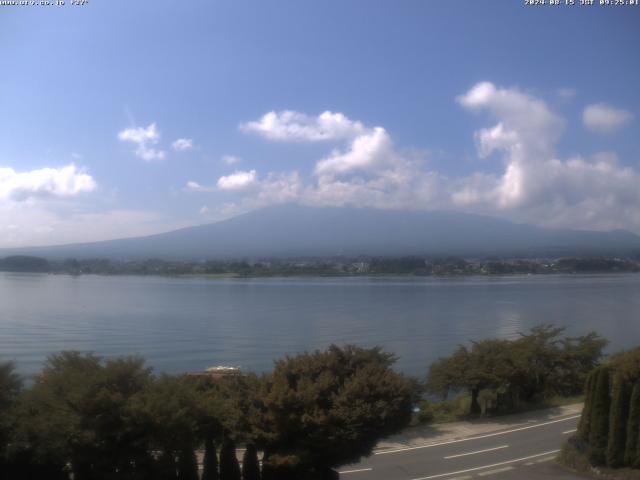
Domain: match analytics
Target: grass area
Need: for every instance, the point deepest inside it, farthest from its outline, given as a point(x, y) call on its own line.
point(573, 459)
point(457, 409)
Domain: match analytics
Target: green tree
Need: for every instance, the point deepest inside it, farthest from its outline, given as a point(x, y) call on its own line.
point(579, 356)
point(533, 367)
point(169, 412)
point(187, 464)
point(449, 373)
point(166, 467)
point(210, 461)
point(328, 408)
point(229, 466)
point(584, 426)
point(10, 387)
point(78, 412)
point(632, 447)
point(250, 464)
point(618, 418)
point(600, 418)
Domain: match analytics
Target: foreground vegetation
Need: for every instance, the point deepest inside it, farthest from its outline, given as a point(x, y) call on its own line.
point(609, 430)
point(114, 419)
point(509, 375)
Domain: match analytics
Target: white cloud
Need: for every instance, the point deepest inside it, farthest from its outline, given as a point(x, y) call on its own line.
point(182, 144)
point(231, 159)
point(366, 151)
point(192, 186)
point(524, 121)
point(603, 118)
point(239, 180)
point(532, 183)
point(143, 138)
point(535, 185)
point(204, 210)
point(291, 126)
point(495, 138)
point(65, 181)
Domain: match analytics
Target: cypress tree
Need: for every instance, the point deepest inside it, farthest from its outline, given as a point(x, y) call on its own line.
point(250, 464)
point(268, 472)
point(585, 420)
point(633, 429)
point(597, 451)
point(229, 466)
point(618, 418)
point(145, 467)
point(210, 462)
point(187, 465)
point(636, 463)
point(166, 466)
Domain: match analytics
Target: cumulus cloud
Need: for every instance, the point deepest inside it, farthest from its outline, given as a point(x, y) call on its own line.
point(535, 184)
point(603, 118)
point(192, 186)
point(144, 139)
point(292, 126)
point(182, 144)
point(525, 123)
point(530, 182)
point(239, 180)
point(65, 181)
point(366, 150)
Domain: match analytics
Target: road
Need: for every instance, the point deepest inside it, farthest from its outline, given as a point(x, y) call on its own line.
point(519, 452)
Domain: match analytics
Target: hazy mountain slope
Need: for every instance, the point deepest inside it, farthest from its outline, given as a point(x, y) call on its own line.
point(307, 231)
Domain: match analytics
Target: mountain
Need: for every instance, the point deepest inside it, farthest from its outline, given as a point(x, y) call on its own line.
point(309, 231)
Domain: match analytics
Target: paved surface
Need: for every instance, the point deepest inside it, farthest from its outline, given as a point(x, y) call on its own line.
point(522, 446)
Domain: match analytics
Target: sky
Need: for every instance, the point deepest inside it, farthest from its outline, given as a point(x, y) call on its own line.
point(125, 118)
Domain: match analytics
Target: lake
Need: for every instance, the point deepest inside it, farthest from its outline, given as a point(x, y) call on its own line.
point(181, 324)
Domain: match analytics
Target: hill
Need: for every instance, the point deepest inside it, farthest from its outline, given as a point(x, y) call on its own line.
point(297, 231)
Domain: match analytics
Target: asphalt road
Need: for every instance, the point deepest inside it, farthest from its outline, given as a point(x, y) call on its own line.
point(519, 452)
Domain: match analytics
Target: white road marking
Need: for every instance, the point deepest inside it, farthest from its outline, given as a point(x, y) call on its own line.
point(570, 431)
point(466, 477)
point(478, 451)
point(488, 466)
point(493, 472)
point(405, 449)
point(548, 459)
point(355, 471)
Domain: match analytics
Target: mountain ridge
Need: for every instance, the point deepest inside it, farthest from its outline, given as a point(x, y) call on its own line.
point(298, 231)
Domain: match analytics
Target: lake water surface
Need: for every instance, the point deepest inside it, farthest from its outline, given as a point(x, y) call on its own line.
point(182, 324)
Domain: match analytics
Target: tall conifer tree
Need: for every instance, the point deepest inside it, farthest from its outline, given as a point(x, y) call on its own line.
point(597, 451)
point(229, 466)
point(618, 417)
point(633, 429)
point(250, 465)
point(187, 465)
point(585, 420)
point(210, 462)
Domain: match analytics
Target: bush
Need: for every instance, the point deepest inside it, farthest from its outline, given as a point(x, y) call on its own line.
point(425, 415)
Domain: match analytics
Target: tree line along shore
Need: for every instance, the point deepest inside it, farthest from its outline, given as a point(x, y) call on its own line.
point(336, 266)
point(85, 417)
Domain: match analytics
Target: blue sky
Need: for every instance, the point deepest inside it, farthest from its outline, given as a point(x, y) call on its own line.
point(494, 107)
